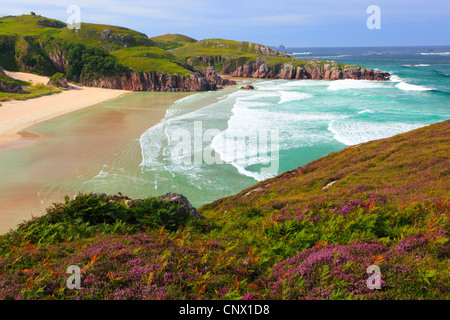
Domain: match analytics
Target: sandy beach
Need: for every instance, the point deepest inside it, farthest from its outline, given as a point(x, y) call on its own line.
point(64, 154)
point(15, 115)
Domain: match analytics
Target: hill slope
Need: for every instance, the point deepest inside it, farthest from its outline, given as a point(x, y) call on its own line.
point(310, 233)
point(117, 57)
point(171, 41)
point(247, 59)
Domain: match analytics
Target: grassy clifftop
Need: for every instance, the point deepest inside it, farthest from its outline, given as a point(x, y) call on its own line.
point(310, 233)
point(38, 44)
point(171, 41)
point(44, 39)
point(247, 59)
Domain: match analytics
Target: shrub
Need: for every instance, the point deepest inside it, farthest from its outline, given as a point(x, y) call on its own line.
point(58, 80)
point(89, 214)
point(91, 62)
point(156, 213)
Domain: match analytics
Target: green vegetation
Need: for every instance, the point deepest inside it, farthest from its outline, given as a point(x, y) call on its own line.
point(56, 79)
point(149, 59)
point(227, 55)
point(27, 45)
point(106, 37)
point(172, 41)
point(295, 236)
point(29, 25)
point(24, 54)
point(89, 62)
point(225, 47)
point(33, 91)
point(5, 79)
point(37, 44)
point(88, 215)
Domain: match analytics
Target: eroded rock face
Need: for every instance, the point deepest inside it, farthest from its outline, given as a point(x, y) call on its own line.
point(154, 81)
point(212, 76)
point(176, 198)
point(330, 71)
point(10, 87)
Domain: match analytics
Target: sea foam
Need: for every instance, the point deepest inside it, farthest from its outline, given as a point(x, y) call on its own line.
point(435, 53)
point(416, 65)
point(411, 87)
point(403, 85)
point(350, 131)
point(286, 96)
point(353, 84)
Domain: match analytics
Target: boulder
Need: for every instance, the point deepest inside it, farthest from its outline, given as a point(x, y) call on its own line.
point(180, 199)
point(7, 84)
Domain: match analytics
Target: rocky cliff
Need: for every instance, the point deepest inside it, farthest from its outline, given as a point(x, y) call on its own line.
point(7, 84)
point(155, 81)
point(315, 69)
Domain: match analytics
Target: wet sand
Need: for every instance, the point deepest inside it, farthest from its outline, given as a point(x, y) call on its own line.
point(54, 158)
point(16, 115)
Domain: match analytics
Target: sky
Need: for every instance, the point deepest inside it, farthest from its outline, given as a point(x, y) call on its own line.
point(292, 23)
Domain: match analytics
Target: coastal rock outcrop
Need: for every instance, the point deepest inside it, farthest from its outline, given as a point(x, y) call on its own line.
point(10, 87)
point(155, 81)
point(58, 80)
point(180, 199)
point(7, 85)
point(315, 69)
point(176, 198)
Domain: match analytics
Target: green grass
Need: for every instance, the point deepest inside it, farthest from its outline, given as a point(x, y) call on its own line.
point(105, 37)
point(28, 25)
point(227, 55)
point(179, 38)
point(225, 47)
point(148, 59)
point(34, 91)
point(171, 41)
point(20, 37)
point(21, 34)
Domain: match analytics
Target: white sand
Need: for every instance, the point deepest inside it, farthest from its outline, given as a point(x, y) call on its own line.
point(17, 115)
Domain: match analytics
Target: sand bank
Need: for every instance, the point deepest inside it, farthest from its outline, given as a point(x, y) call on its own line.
point(15, 115)
point(72, 153)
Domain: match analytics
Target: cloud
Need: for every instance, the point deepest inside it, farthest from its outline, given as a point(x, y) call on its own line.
point(327, 21)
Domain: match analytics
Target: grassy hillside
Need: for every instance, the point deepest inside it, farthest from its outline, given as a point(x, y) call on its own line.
point(47, 37)
point(38, 44)
point(227, 55)
point(171, 41)
point(29, 25)
point(310, 233)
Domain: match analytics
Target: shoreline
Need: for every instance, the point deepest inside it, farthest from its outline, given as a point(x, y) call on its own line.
point(68, 154)
point(18, 115)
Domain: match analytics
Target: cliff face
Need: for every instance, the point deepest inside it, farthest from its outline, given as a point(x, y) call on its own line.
point(316, 70)
point(7, 85)
point(155, 81)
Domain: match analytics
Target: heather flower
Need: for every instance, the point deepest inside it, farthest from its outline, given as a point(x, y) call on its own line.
point(249, 296)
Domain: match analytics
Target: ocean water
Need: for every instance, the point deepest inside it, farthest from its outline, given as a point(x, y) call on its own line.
point(311, 117)
point(195, 149)
point(214, 144)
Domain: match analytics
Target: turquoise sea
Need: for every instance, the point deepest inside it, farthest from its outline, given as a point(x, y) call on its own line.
point(313, 118)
